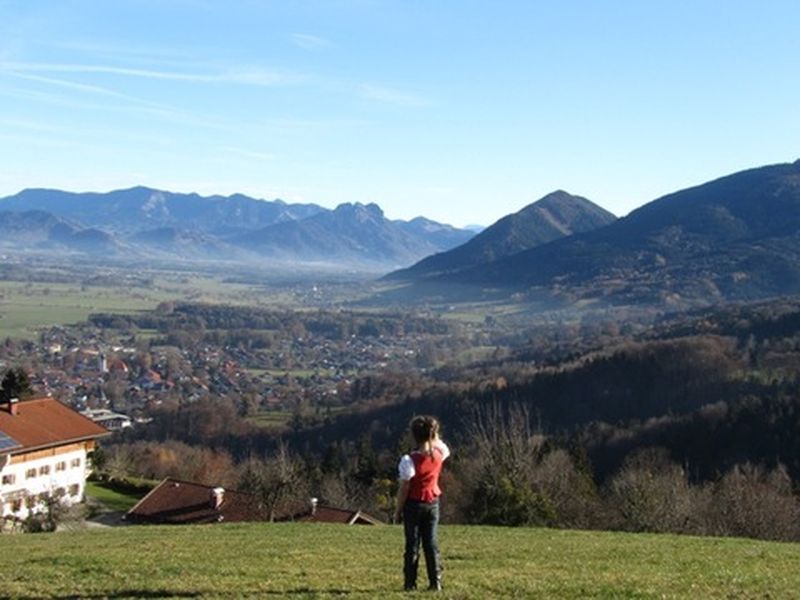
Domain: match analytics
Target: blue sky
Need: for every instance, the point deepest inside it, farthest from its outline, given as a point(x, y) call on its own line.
point(456, 109)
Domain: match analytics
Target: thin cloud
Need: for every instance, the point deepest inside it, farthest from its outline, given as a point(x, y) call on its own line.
point(80, 87)
point(133, 106)
point(152, 54)
point(254, 76)
point(309, 42)
point(392, 96)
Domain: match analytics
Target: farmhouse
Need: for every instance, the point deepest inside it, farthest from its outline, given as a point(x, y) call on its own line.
point(109, 419)
point(44, 452)
point(316, 513)
point(179, 502)
point(184, 502)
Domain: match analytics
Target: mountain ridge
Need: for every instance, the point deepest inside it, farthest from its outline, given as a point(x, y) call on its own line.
point(553, 216)
point(735, 237)
point(150, 223)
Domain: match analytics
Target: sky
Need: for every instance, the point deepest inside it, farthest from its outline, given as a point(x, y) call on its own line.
point(458, 110)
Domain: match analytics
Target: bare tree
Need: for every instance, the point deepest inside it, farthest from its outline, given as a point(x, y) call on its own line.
point(750, 501)
point(277, 481)
point(652, 493)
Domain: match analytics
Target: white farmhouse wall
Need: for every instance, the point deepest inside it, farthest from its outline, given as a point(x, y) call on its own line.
point(49, 478)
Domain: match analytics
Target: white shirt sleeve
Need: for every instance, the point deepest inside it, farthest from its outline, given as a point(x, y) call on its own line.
point(443, 449)
point(406, 468)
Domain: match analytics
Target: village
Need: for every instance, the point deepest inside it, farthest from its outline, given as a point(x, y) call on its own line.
point(122, 375)
point(113, 374)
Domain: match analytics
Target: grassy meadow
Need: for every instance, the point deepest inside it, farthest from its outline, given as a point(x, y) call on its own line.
point(110, 498)
point(28, 307)
point(295, 560)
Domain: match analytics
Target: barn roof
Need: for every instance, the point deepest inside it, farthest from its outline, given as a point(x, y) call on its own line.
point(182, 502)
point(330, 514)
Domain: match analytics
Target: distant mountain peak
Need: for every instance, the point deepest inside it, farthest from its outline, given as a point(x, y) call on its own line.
point(556, 215)
point(357, 208)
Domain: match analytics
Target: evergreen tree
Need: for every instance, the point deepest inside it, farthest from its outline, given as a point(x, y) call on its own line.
point(15, 384)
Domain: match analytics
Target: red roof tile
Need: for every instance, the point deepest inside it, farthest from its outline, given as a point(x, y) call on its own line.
point(183, 502)
point(330, 514)
point(178, 502)
point(46, 422)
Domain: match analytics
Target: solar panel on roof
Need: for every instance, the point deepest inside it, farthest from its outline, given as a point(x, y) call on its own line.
point(7, 442)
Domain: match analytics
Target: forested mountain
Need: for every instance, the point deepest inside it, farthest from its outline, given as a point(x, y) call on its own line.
point(557, 215)
point(737, 237)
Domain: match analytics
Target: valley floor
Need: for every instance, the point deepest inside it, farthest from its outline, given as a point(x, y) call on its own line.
point(322, 561)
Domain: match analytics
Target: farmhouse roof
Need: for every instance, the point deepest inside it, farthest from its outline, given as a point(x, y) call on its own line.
point(178, 502)
point(331, 514)
point(43, 423)
point(182, 502)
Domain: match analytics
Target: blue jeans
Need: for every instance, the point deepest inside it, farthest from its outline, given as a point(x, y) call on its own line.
point(421, 521)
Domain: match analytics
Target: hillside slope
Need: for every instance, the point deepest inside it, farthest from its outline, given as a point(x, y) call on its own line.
point(737, 237)
point(319, 561)
point(555, 216)
point(39, 230)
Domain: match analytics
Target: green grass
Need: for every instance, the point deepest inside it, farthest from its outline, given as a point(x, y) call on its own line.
point(27, 307)
point(327, 561)
point(110, 498)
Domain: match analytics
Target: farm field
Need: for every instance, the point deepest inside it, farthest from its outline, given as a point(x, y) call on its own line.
point(27, 307)
point(324, 561)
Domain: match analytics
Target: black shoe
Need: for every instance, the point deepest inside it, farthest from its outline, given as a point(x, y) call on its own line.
point(435, 587)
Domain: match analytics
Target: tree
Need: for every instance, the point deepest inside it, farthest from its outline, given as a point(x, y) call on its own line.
point(276, 481)
point(652, 493)
point(751, 501)
point(15, 384)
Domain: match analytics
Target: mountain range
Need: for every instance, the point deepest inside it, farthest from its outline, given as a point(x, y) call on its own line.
point(737, 237)
point(733, 238)
point(142, 222)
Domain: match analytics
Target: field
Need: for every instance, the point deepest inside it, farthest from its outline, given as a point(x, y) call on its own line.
point(27, 307)
point(110, 498)
point(326, 561)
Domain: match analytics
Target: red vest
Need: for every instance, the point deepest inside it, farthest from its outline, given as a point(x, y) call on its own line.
point(424, 485)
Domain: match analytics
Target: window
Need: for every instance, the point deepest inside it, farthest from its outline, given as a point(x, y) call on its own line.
point(74, 489)
point(9, 479)
point(61, 466)
point(30, 501)
point(76, 462)
point(16, 505)
point(45, 470)
point(30, 473)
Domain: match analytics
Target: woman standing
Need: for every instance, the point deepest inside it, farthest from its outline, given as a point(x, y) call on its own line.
point(418, 500)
